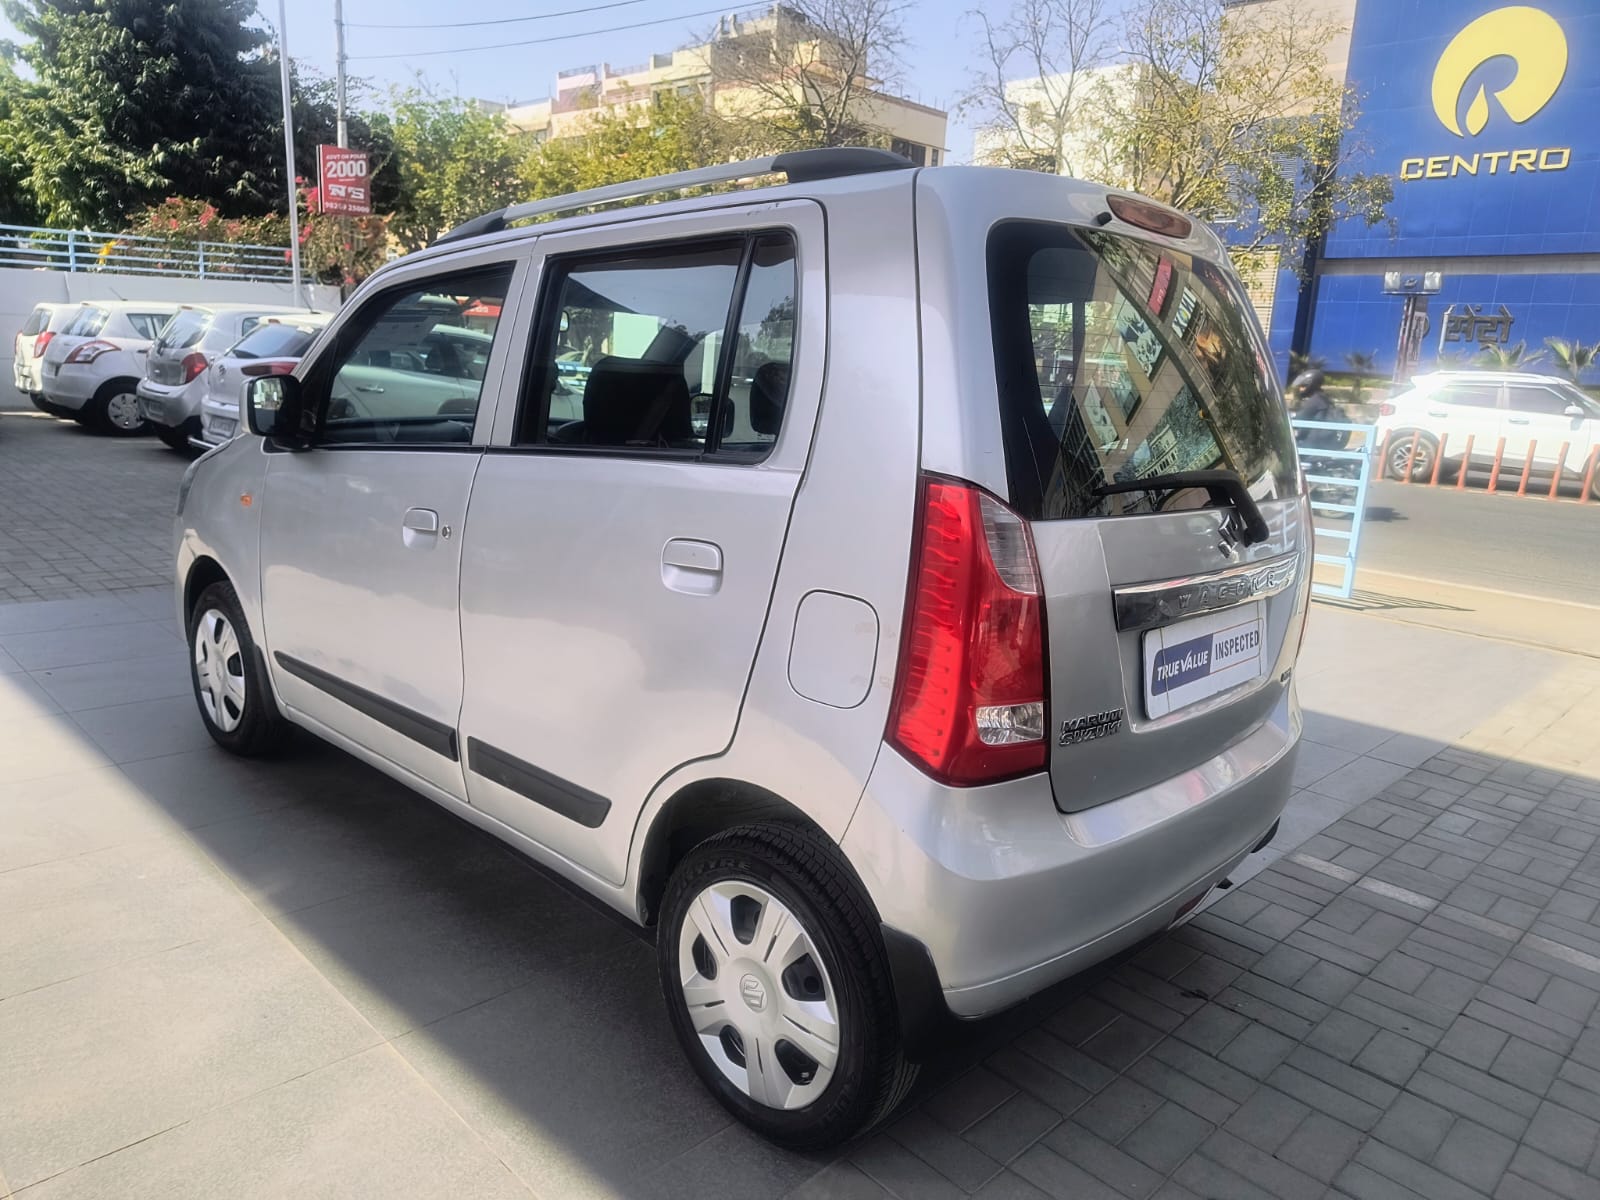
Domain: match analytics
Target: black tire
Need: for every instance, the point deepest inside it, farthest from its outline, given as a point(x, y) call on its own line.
point(174, 438)
point(805, 873)
point(114, 394)
point(257, 727)
point(1399, 454)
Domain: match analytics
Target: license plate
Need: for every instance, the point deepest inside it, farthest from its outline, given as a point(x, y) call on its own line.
point(1190, 660)
point(152, 409)
point(223, 427)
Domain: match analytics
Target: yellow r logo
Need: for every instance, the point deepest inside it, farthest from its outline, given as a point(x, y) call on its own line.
point(1530, 38)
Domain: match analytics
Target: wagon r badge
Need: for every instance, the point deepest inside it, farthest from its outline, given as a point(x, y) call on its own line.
point(1090, 727)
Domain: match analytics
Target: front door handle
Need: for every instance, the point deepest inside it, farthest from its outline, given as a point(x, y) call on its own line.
point(1517, 420)
point(692, 567)
point(1435, 412)
point(420, 527)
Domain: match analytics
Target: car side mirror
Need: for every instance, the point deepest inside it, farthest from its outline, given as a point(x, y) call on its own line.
point(275, 409)
point(1575, 410)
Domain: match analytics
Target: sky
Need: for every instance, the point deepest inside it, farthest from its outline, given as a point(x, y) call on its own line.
point(941, 50)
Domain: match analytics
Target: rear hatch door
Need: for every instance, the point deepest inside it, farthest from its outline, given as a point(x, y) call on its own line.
point(1148, 445)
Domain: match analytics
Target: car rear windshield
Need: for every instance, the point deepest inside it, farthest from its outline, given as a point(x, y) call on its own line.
point(186, 328)
point(272, 340)
point(36, 321)
point(88, 322)
point(1118, 360)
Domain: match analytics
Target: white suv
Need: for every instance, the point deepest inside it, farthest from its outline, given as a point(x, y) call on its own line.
point(92, 367)
point(810, 625)
point(1455, 415)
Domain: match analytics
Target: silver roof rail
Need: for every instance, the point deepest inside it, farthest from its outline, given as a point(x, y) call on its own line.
point(800, 166)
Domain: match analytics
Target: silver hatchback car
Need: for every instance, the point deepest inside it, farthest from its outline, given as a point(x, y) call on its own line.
point(886, 584)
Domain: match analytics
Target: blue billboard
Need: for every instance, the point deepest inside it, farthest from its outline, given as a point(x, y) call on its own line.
point(1487, 117)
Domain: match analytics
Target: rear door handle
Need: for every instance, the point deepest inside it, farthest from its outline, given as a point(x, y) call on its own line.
point(1517, 420)
point(370, 388)
point(421, 527)
point(692, 567)
point(1434, 412)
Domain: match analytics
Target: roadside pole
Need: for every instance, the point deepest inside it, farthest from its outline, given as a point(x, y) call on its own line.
point(288, 155)
point(342, 134)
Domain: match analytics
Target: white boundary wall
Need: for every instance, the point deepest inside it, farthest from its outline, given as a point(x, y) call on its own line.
point(21, 289)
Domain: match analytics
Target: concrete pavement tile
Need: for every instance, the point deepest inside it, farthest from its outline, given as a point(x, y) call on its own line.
point(199, 787)
point(21, 697)
point(462, 929)
point(732, 1162)
point(1360, 780)
point(48, 744)
point(8, 665)
point(363, 1126)
point(575, 1080)
point(43, 616)
point(71, 813)
point(99, 685)
point(1343, 733)
point(71, 916)
point(96, 1063)
point(1407, 749)
point(146, 728)
point(90, 644)
point(150, 604)
point(1316, 760)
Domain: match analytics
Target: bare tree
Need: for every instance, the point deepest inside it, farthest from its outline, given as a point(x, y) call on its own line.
point(1032, 84)
point(808, 73)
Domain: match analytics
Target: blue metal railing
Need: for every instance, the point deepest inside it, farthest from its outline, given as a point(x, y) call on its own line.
point(31, 247)
point(1350, 485)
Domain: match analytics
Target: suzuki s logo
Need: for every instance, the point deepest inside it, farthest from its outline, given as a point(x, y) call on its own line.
point(1534, 43)
point(754, 993)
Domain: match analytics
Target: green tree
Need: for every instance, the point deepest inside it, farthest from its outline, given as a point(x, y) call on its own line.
point(452, 160)
point(1573, 358)
point(1507, 358)
point(672, 134)
point(134, 100)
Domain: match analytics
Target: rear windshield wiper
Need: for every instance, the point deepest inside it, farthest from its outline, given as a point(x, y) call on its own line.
point(1224, 487)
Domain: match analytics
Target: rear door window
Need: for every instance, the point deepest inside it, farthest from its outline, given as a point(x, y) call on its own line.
point(1541, 400)
point(1119, 361)
point(1472, 395)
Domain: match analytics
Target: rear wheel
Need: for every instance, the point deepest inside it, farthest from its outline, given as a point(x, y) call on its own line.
point(115, 410)
point(1414, 451)
point(775, 978)
point(230, 682)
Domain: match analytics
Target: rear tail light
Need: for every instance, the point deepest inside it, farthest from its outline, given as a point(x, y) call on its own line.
point(969, 698)
point(194, 366)
point(41, 343)
point(1386, 409)
point(267, 368)
point(87, 352)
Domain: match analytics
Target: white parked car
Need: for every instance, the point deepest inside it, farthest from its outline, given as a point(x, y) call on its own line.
point(27, 363)
point(272, 347)
point(173, 387)
point(93, 366)
point(1438, 414)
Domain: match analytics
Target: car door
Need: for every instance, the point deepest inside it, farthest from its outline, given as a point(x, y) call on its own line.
point(1536, 421)
point(622, 548)
point(360, 535)
point(1463, 409)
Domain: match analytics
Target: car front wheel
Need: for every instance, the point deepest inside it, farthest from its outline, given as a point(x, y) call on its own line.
point(776, 981)
point(230, 682)
point(1411, 452)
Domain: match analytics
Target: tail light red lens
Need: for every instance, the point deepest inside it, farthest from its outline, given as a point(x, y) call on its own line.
point(1386, 409)
point(87, 352)
point(42, 343)
point(969, 699)
point(267, 368)
point(194, 366)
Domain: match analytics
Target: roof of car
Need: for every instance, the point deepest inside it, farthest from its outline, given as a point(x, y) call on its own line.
point(242, 306)
point(1486, 377)
point(131, 305)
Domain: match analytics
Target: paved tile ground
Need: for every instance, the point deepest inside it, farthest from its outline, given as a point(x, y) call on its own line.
point(84, 514)
point(231, 979)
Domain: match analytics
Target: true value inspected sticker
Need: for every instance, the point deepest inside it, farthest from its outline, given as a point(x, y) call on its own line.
point(1190, 660)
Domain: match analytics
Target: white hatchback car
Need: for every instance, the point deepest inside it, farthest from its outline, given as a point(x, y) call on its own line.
point(92, 367)
point(174, 384)
point(889, 676)
point(1456, 414)
point(27, 362)
point(271, 348)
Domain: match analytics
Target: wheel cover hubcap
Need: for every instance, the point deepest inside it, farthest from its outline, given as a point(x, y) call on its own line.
point(219, 670)
point(758, 995)
point(123, 409)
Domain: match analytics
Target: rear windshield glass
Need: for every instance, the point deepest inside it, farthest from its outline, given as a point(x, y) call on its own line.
point(88, 322)
point(1120, 361)
point(273, 341)
point(35, 322)
point(184, 330)
point(148, 325)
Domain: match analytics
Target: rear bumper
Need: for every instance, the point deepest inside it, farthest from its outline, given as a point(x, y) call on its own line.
point(1008, 895)
point(171, 405)
point(70, 388)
